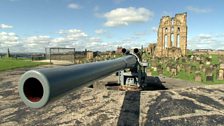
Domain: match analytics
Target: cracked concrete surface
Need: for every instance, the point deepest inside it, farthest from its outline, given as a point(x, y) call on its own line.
point(189, 104)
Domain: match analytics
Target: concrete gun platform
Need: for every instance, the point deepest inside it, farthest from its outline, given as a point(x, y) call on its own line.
point(182, 104)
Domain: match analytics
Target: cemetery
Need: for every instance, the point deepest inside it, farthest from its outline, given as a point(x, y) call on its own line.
point(208, 69)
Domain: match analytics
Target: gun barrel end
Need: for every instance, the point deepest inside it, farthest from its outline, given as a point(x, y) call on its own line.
point(34, 89)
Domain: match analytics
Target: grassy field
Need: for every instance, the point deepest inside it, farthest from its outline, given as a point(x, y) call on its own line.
point(12, 63)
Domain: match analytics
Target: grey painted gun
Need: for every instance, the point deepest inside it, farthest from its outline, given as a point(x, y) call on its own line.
point(38, 87)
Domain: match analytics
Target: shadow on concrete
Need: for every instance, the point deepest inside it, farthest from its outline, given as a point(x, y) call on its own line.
point(130, 111)
point(153, 83)
point(112, 83)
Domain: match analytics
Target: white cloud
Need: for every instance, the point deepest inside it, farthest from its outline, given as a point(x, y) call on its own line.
point(95, 39)
point(206, 41)
point(100, 31)
point(198, 10)
point(75, 38)
point(74, 6)
point(8, 40)
point(58, 40)
point(125, 16)
point(4, 26)
point(35, 43)
point(68, 38)
point(127, 43)
point(37, 40)
point(73, 34)
point(8, 37)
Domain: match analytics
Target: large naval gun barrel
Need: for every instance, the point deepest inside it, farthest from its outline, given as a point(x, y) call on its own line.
point(38, 87)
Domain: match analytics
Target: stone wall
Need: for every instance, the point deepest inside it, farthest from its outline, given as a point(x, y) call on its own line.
point(151, 49)
point(172, 32)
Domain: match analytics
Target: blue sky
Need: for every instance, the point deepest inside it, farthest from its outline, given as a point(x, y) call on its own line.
point(32, 25)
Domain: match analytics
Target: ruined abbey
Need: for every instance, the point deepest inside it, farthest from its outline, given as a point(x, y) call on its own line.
point(171, 37)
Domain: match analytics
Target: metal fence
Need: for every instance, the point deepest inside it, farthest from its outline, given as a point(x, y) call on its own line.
point(58, 53)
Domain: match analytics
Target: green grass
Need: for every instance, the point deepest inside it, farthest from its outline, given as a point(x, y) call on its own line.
point(185, 76)
point(155, 73)
point(12, 63)
point(214, 82)
point(215, 59)
point(190, 77)
point(166, 73)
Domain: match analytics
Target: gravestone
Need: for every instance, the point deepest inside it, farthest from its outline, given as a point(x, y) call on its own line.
point(159, 66)
point(200, 66)
point(221, 59)
point(185, 67)
point(149, 73)
point(215, 66)
point(178, 68)
point(193, 68)
point(183, 60)
point(165, 60)
point(168, 68)
point(197, 76)
point(191, 58)
point(201, 62)
point(188, 69)
point(209, 78)
point(221, 74)
point(208, 63)
point(208, 71)
point(198, 58)
point(160, 71)
point(211, 66)
point(204, 69)
point(208, 59)
point(154, 63)
point(203, 59)
point(221, 66)
point(173, 71)
point(154, 68)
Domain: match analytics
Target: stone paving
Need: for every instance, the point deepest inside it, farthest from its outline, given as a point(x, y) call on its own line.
point(190, 105)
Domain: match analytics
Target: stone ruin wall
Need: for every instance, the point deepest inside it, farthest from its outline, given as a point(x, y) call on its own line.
point(172, 36)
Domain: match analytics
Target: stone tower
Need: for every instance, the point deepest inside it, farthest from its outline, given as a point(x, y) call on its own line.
point(172, 36)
